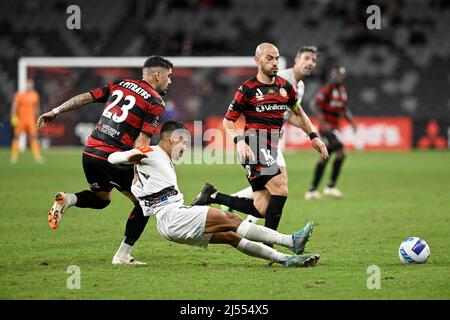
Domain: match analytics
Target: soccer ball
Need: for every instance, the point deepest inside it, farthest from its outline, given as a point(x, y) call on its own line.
point(413, 250)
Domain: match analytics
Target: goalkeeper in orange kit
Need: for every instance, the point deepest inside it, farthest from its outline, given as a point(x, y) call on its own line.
point(24, 110)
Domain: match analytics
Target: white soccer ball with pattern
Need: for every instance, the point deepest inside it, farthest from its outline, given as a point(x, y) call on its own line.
point(413, 250)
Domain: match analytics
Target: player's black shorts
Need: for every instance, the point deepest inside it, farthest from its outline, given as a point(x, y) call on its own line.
point(103, 176)
point(265, 166)
point(332, 139)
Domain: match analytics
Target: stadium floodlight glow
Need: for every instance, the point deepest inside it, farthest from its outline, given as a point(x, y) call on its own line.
point(133, 62)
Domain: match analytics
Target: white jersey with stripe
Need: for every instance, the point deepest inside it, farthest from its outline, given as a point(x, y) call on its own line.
point(155, 182)
point(288, 74)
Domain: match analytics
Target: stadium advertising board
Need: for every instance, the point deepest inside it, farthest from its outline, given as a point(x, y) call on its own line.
point(373, 133)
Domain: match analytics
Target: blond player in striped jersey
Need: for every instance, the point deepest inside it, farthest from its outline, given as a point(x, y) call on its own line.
point(305, 63)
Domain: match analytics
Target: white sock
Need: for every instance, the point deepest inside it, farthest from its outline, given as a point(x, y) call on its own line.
point(71, 199)
point(124, 250)
point(251, 219)
point(244, 193)
point(259, 233)
point(259, 250)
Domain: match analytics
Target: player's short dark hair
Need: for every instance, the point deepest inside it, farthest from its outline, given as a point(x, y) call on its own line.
point(170, 126)
point(312, 49)
point(157, 62)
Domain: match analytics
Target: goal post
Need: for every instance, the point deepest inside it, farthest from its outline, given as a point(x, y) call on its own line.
point(201, 89)
point(129, 62)
point(59, 78)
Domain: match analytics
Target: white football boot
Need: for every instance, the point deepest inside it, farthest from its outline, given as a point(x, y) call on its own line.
point(312, 195)
point(130, 261)
point(333, 192)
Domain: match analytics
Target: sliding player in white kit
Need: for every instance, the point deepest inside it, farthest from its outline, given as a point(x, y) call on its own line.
point(305, 63)
point(155, 186)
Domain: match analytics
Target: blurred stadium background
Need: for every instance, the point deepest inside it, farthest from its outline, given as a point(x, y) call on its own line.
point(398, 80)
point(400, 73)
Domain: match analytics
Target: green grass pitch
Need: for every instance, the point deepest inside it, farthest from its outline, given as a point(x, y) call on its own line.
point(388, 197)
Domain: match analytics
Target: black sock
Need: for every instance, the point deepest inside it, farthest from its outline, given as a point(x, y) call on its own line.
point(318, 172)
point(274, 211)
point(244, 205)
point(337, 164)
point(135, 225)
point(88, 199)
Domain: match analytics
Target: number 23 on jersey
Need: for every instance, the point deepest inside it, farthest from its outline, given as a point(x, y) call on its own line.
point(129, 102)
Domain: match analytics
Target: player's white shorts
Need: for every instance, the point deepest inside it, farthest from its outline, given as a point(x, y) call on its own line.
point(280, 159)
point(183, 224)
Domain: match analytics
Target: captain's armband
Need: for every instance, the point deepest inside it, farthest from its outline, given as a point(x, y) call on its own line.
point(296, 107)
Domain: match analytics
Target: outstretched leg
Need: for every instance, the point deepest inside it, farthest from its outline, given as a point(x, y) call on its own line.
point(83, 199)
point(244, 193)
point(219, 221)
point(258, 250)
point(254, 249)
point(200, 225)
point(209, 194)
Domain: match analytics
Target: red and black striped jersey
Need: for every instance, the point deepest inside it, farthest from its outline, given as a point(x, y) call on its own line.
point(332, 99)
point(130, 107)
point(263, 105)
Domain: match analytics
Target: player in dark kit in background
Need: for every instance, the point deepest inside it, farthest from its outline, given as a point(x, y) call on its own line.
point(132, 109)
point(263, 100)
point(329, 106)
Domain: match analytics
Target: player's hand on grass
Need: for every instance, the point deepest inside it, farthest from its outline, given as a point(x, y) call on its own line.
point(320, 147)
point(46, 118)
point(244, 152)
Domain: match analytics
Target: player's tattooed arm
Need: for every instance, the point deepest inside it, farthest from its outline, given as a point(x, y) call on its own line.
point(75, 103)
point(70, 105)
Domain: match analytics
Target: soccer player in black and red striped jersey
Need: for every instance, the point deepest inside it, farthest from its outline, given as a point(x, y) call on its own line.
point(331, 104)
point(132, 109)
point(262, 100)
